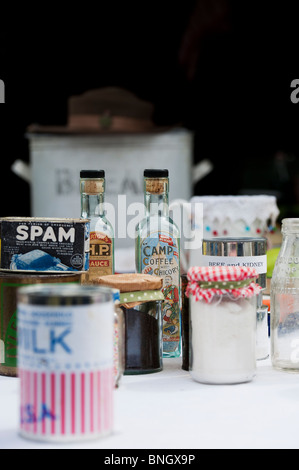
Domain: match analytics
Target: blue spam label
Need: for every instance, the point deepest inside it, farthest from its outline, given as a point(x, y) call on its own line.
point(41, 245)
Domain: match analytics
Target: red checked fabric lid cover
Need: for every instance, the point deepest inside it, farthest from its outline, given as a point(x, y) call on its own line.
point(206, 282)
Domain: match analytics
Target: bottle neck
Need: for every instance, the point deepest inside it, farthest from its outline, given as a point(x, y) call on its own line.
point(156, 197)
point(92, 198)
point(92, 205)
point(290, 227)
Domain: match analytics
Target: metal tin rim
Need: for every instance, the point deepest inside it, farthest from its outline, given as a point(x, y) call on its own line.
point(39, 293)
point(43, 219)
point(9, 274)
point(236, 239)
point(242, 246)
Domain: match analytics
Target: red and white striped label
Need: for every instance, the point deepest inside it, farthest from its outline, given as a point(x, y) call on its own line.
point(66, 404)
point(67, 377)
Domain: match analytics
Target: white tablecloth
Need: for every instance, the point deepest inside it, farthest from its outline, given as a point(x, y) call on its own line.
point(168, 410)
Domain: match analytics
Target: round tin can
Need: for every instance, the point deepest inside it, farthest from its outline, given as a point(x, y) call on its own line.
point(9, 283)
point(246, 251)
point(65, 354)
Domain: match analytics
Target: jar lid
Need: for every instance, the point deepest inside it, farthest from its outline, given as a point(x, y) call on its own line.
point(206, 282)
point(130, 282)
point(260, 207)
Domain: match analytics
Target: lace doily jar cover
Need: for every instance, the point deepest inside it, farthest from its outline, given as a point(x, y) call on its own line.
point(237, 216)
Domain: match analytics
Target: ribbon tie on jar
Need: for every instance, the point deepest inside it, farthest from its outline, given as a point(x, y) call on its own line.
point(206, 282)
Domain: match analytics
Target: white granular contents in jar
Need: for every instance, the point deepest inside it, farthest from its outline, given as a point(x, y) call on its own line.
point(223, 340)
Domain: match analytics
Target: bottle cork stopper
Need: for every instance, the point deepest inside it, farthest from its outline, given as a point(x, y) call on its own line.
point(94, 186)
point(156, 186)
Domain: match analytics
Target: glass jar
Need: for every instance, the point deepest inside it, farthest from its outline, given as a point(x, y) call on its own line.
point(222, 324)
point(143, 337)
point(119, 339)
point(284, 294)
point(141, 300)
point(262, 336)
point(185, 316)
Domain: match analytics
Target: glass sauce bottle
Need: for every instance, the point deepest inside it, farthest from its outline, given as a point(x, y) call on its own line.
point(158, 253)
point(101, 257)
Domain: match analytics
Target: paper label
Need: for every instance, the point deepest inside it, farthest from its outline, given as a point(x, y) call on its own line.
point(68, 337)
point(257, 262)
point(43, 246)
point(160, 256)
point(100, 255)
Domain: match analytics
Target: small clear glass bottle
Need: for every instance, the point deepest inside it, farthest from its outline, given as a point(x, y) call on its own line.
point(284, 303)
point(158, 253)
point(101, 237)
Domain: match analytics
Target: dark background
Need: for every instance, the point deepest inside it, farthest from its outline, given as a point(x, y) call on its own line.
point(221, 68)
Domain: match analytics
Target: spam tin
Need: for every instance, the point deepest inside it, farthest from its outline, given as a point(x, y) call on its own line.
point(44, 245)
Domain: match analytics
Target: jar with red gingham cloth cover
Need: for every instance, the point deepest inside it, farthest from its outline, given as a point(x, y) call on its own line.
point(222, 323)
point(237, 281)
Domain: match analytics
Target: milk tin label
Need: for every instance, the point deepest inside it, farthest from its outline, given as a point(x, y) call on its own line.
point(160, 256)
point(66, 370)
point(44, 245)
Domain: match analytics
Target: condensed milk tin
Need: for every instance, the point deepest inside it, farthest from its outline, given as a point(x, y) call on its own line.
point(65, 360)
point(32, 244)
point(9, 283)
